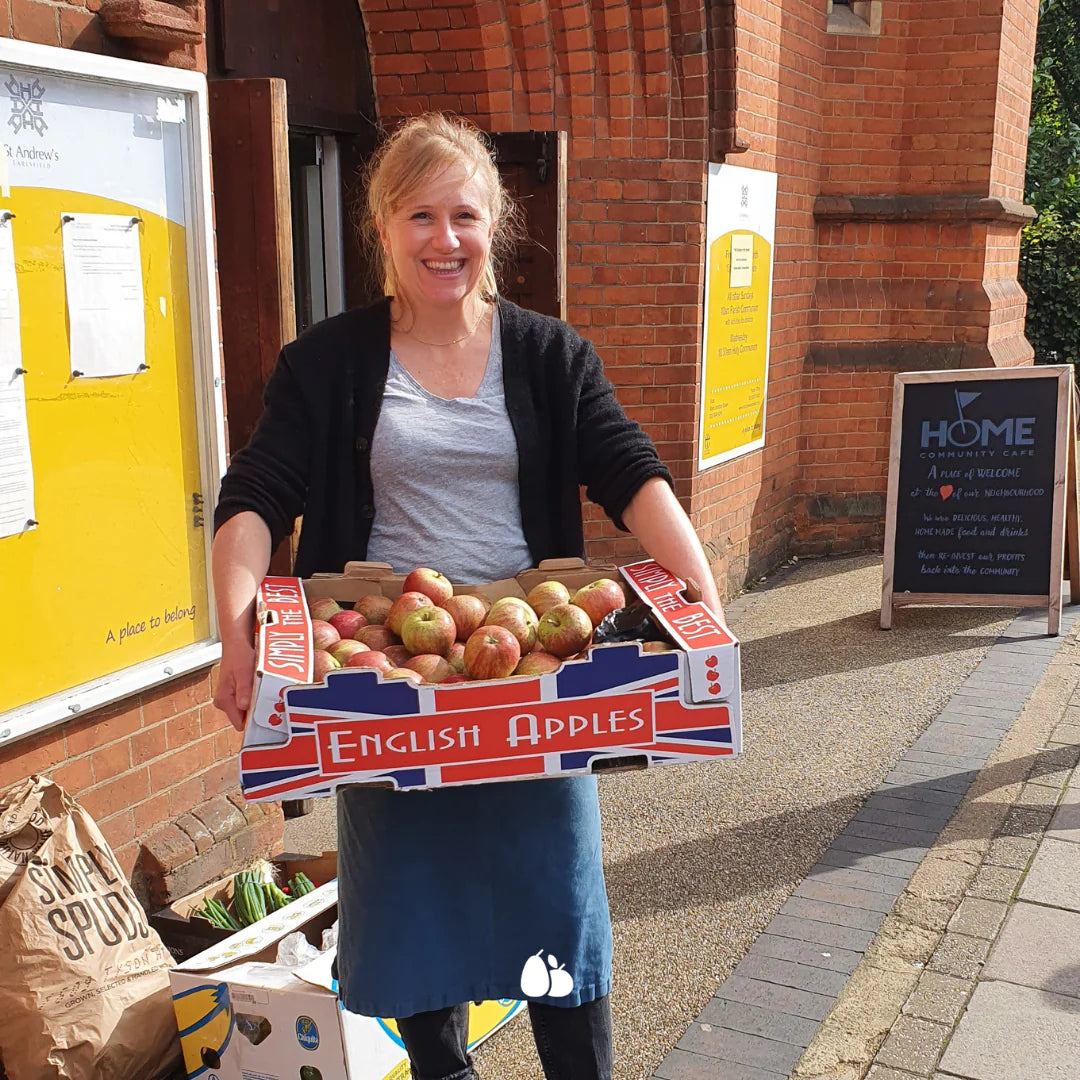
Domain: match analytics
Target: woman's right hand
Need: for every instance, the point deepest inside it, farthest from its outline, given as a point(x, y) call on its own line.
point(235, 680)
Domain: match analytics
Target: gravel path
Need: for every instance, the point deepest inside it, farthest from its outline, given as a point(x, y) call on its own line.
point(700, 857)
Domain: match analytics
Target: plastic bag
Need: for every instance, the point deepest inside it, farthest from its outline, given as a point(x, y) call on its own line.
point(633, 623)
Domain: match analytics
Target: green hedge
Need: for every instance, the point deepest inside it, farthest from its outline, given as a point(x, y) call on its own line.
point(1050, 275)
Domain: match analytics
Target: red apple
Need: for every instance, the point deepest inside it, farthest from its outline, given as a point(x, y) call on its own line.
point(538, 663)
point(428, 630)
point(564, 630)
point(377, 637)
point(323, 608)
point(468, 613)
point(456, 657)
point(491, 652)
point(431, 666)
point(342, 650)
point(406, 604)
point(429, 582)
point(371, 658)
point(398, 655)
point(323, 662)
point(599, 598)
point(323, 635)
point(455, 678)
point(374, 608)
point(404, 673)
point(546, 595)
point(346, 623)
point(517, 617)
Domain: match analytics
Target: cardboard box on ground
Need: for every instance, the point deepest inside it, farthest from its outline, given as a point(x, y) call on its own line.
point(618, 707)
point(185, 936)
point(242, 1016)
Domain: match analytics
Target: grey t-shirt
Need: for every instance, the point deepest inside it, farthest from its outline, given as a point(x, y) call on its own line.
point(445, 473)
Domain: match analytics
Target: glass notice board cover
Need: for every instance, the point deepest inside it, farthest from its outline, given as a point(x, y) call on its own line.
point(104, 195)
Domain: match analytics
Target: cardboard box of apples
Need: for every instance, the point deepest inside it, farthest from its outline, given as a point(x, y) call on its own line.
point(407, 681)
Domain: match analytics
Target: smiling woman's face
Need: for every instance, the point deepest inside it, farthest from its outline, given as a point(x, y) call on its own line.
point(439, 237)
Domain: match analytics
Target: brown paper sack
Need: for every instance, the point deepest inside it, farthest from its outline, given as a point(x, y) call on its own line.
point(84, 981)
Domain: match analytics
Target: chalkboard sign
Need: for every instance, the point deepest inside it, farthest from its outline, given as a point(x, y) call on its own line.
point(977, 489)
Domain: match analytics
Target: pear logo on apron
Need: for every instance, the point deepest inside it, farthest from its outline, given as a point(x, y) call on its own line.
point(545, 980)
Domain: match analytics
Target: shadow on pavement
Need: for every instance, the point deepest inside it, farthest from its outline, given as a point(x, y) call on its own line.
point(827, 648)
point(645, 884)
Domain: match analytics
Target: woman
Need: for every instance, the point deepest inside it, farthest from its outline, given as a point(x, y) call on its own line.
point(446, 427)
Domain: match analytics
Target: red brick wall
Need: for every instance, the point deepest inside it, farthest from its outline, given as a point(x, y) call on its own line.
point(153, 758)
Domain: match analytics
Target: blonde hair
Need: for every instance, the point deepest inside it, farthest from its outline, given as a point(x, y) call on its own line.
point(414, 154)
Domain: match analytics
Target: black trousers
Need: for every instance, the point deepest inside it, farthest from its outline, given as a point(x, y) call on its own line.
point(573, 1044)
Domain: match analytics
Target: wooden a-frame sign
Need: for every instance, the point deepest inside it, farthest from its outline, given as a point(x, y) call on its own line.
point(982, 505)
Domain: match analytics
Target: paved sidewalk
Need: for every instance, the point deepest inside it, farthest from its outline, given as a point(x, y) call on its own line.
point(875, 965)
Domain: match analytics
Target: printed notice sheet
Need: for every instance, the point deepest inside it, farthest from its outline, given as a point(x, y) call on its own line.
point(103, 271)
point(16, 471)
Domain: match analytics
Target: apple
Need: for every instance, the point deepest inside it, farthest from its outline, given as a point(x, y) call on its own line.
point(538, 663)
point(564, 630)
point(323, 635)
point(455, 678)
point(346, 623)
point(656, 646)
point(398, 655)
point(429, 582)
point(468, 613)
point(323, 662)
point(323, 608)
point(370, 658)
point(377, 637)
point(344, 649)
point(456, 657)
point(374, 608)
point(404, 673)
point(599, 598)
point(428, 630)
point(491, 652)
point(546, 595)
point(517, 617)
point(431, 666)
point(406, 604)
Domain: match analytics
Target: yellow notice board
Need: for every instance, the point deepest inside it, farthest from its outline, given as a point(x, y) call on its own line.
point(739, 229)
point(106, 583)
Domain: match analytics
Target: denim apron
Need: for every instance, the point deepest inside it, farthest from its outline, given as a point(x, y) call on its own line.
point(446, 895)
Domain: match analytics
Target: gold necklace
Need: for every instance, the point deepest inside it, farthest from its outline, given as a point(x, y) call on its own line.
point(456, 341)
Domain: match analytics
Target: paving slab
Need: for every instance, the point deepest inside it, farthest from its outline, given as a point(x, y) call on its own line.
point(784, 999)
point(891, 869)
point(740, 1048)
point(859, 878)
point(810, 953)
point(1039, 947)
point(869, 845)
point(1002, 1024)
point(786, 973)
point(859, 918)
point(682, 1065)
point(911, 818)
point(755, 1020)
point(978, 918)
point(919, 794)
point(939, 997)
point(1065, 824)
point(827, 934)
point(914, 1045)
point(1054, 877)
point(814, 889)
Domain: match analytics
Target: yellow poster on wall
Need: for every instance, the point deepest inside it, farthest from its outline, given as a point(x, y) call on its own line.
point(740, 226)
point(111, 572)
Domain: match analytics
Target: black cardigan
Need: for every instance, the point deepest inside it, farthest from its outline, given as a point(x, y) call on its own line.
point(310, 453)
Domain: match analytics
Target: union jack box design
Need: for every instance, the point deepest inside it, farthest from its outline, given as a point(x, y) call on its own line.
point(620, 707)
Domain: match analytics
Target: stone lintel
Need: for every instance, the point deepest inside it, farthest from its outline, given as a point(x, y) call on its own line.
point(944, 208)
